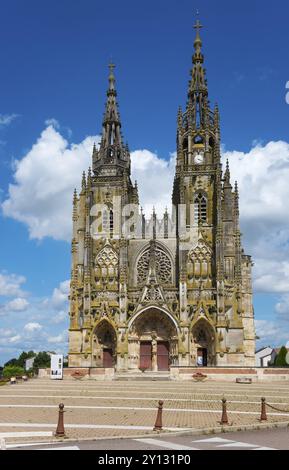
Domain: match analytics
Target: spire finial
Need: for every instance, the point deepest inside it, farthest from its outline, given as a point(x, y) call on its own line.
point(198, 26)
point(111, 67)
point(111, 77)
point(227, 175)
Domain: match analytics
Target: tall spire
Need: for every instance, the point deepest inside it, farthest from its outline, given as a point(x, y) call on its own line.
point(198, 89)
point(198, 82)
point(112, 152)
point(111, 119)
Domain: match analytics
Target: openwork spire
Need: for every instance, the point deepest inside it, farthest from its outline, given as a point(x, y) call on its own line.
point(198, 88)
point(112, 152)
point(111, 120)
point(198, 82)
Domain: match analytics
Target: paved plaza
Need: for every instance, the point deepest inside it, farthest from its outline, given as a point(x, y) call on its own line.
point(94, 410)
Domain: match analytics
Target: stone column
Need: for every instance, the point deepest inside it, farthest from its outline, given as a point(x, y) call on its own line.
point(154, 355)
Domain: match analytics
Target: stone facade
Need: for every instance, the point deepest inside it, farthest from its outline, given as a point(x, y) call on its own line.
point(147, 294)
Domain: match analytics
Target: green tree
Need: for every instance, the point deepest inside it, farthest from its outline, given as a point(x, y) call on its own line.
point(280, 359)
point(41, 361)
point(23, 356)
point(11, 362)
point(12, 371)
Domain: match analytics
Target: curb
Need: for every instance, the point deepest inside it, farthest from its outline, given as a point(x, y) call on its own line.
point(189, 432)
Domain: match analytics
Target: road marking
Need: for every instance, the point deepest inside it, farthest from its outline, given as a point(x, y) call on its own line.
point(26, 434)
point(165, 444)
point(237, 444)
point(61, 448)
point(28, 444)
point(265, 448)
point(214, 440)
point(230, 443)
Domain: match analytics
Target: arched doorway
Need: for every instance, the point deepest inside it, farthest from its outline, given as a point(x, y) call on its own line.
point(104, 345)
point(152, 341)
point(202, 346)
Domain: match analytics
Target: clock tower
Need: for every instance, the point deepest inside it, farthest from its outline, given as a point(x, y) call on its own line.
point(214, 273)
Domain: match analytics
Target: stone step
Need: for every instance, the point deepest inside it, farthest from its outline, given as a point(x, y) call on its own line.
point(134, 376)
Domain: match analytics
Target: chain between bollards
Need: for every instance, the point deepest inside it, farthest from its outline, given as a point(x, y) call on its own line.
point(224, 418)
point(159, 421)
point(60, 432)
point(263, 410)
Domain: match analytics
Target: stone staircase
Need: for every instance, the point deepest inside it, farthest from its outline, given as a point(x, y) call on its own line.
point(142, 376)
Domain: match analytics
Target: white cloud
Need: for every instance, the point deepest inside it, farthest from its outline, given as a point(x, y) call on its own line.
point(14, 339)
point(52, 122)
point(263, 175)
point(17, 305)
point(44, 323)
point(32, 327)
point(5, 332)
point(45, 178)
point(61, 338)
point(60, 317)
point(155, 178)
point(271, 333)
point(282, 307)
point(60, 294)
point(6, 119)
point(10, 284)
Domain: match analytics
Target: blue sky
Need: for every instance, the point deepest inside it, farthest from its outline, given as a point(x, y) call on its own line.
point(54, 58)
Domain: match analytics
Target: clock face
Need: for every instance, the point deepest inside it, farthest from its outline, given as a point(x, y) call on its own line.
point(199, 157)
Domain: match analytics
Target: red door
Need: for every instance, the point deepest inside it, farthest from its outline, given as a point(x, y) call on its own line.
point(163, 349)
point(108, 358)
point(145, 355)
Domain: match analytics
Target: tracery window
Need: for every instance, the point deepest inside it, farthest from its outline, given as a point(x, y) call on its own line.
point(200, 208)
point(107, 222)
point(199, 261)
point(106, 263)
point(163, 266)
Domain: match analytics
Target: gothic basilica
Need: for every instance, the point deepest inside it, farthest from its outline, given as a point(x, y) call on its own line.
point(154, 294)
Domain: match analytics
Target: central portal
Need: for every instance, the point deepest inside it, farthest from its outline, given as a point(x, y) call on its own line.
point(152, 341)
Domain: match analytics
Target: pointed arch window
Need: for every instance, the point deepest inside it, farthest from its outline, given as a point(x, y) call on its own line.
point(111, 223)
point(107, 223)
point(200, 208)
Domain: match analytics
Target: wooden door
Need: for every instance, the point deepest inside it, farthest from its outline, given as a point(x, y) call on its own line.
point(108, 358)
point(163, 352)
point(145, 355)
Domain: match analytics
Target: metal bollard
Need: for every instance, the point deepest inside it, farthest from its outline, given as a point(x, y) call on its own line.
point(263, 410)
point(60, 432)
point(224, 419)
point(159, 420)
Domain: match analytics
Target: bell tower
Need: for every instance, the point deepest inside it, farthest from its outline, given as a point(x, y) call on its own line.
point(212, 268)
